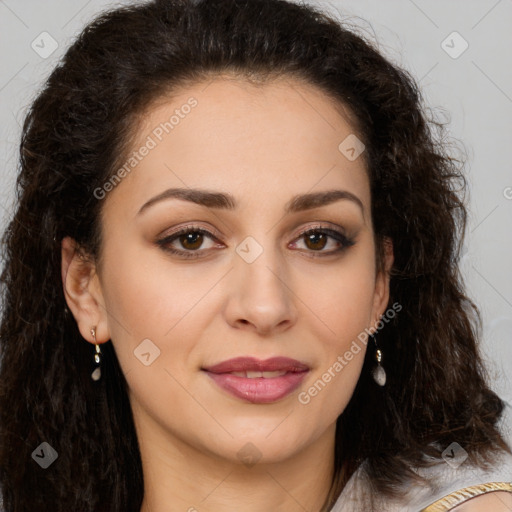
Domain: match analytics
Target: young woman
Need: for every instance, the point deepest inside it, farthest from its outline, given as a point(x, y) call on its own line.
point(231, 281)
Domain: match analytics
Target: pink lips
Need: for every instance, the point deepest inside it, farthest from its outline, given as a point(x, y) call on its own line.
point(258, 389)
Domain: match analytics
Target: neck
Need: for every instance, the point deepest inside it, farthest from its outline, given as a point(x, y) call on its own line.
point(179, 477)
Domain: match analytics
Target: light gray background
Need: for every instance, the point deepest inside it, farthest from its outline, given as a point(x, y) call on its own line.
point(475, 89)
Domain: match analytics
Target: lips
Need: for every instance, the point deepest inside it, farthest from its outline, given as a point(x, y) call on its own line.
point(251, 364)
point(257, 381)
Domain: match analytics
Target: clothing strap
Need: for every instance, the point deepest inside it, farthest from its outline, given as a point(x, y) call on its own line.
point(456, 498)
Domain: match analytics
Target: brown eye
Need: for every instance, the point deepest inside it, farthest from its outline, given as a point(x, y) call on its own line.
point(192, 240)
point(321, 241)
point(316, 241)
point(189, 242)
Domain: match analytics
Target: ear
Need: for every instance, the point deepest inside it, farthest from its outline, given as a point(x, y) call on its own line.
point(381, 296)
point(82, 290)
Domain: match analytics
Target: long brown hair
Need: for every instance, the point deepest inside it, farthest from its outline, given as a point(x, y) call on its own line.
point(74, 138)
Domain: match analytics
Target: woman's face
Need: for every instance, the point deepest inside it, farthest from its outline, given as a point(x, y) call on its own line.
point(244, 169)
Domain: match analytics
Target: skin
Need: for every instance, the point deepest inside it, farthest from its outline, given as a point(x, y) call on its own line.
point(498, 501)
point(263, 145)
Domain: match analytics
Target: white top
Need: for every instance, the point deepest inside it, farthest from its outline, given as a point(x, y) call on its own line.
point(451, 474)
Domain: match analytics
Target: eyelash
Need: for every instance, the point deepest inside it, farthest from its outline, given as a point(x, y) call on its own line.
point(336, 235)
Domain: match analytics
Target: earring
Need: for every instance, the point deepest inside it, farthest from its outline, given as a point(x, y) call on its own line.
point(378, 372)
point(96, 374)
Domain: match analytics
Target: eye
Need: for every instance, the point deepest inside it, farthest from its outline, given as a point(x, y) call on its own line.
point(187, 241)
point(319, 238)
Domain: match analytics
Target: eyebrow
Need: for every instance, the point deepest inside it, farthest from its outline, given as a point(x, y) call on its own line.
point(224, 201)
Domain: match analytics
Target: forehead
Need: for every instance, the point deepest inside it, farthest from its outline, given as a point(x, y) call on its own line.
point(262, 142)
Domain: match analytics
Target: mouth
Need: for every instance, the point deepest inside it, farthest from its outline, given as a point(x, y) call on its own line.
point(252, 364)
point(257, 381)
point(256, 375)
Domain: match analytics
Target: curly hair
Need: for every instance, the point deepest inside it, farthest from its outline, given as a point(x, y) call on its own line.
point(75, 136)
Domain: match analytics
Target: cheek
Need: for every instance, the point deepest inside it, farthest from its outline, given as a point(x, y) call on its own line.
point(150, 300)
point(150, 291)
point(341, 297)
point(342, 312)
point(341, 306)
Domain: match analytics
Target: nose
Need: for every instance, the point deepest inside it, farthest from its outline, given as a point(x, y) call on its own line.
point(261, 297)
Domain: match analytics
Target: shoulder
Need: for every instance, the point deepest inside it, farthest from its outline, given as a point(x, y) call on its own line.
point(468, 488)
point(499, 501)
point(495, 496)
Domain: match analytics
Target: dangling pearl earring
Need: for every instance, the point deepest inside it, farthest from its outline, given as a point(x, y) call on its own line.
point(96, 374)
point(378, 372)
